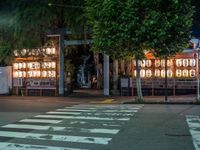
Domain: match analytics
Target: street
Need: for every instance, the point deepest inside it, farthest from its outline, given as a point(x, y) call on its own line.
point(52, 124)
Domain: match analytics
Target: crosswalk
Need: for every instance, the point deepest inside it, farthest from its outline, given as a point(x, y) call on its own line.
point(194, 127)
point(78, 127)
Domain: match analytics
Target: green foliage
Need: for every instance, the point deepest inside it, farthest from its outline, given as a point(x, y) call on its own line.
point(26, 22)
point(128, 27)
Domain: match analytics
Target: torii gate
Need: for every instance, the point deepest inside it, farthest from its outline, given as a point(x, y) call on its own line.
point(62, 43)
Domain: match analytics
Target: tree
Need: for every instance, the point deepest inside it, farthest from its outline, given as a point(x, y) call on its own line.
point(171, 29)
point(128, 28)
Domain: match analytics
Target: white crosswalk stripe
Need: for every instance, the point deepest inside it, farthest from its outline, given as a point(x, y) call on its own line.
point(85, 124)
point(194, 127)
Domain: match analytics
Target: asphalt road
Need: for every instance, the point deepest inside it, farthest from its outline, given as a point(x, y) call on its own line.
point(50, 124)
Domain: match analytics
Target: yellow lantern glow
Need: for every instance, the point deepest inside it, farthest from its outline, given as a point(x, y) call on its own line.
point(15, 74)
point(143, 63)
point(192, 62)
point(170, 62)
point(142, 73)
point(185, 73)
point(163, 63)
point(148, 63)
point(15, 66)
point(169, 73)
point(179, 62)
point(185, 62)
point(48, 51)
point(44, 74)
point(53, 50)
point(162, 73)
point(148, 73)
point(157, 73)
point(178, 73)
point(53, 65)
point(192, 73)
point(157, 63)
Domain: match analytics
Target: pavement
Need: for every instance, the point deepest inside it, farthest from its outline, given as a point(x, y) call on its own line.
point(96, 96)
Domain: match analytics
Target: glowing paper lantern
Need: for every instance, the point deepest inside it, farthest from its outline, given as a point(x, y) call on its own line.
point(44, 74)
point(192, 62)
point(170, 62)
point(162, 63)
point(15, 66)
point(48, 51)
point(148, 63)
point(185, 73)
point(185, 62)
point(192, 73)
point(15, 53)
point(142, 73)
point(179, 62)
point(24, 65)
point(148, 73)
point(53, 50)
point(157, 63)
point(143, 63)
point(169, 73)
point(53, 73)
point(20, 65)
point(157, 73)
point(23, 52)
point(53, 65)
point(178, 73)
point(162, 73)
point(15, 74)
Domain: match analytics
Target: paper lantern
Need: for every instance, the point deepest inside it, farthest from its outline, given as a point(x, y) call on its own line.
point(53, 50)
point(157, 72)
point(162, 63)
point(178, 73)
point(192, 62)
point(157, 63)
point(185, 73)
point(23, 52)
point(15, 74)
point(44, 74)
point(192, 73)
point(142, 63)
point(148, 63)
point(24, 65)
point(48, 51)
point(15, 53)
point(179, 62)
point(170, 62)
point(185, 62)
point(53, 64)
point(53, 73)
point(142, 73)
point(169, 73)
point(148, 73)
point(162, 73)
point(15, 66)
point(20, 65)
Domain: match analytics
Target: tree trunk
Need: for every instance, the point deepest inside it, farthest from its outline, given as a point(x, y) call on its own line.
point(138, 81)
point(122, 67)
point(106, 75)
point(115, 77)
point(166, 89)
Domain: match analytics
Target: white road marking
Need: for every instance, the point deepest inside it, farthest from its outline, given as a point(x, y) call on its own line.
point(16, 146)
point(40, 121)
point(102, 108)
point(81, 117)
point(58, 128)
point(64, 138)
point(94, 110)
point(89, 113)
point(194, 127)
point(64, 113)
